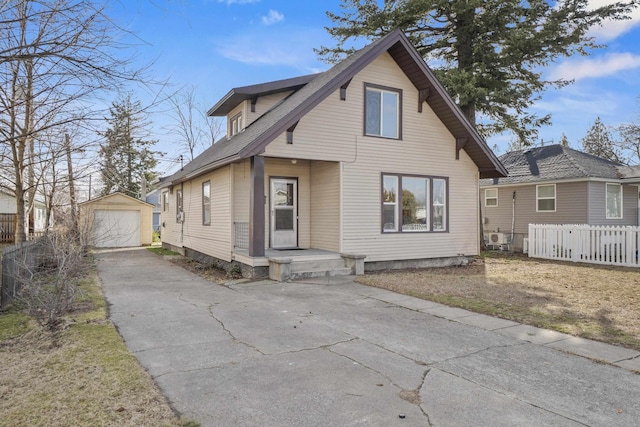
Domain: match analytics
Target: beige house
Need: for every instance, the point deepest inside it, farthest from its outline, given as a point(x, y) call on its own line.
point(116, 220)
point(369, 165)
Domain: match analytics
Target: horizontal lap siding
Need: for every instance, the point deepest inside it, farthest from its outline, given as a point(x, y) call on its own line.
point(426, 148)
point(263, 105)
point(214, 239)
point(325, 206)
point(241, 191)
point(597, 212)
point(285, 169)
point(571, 207)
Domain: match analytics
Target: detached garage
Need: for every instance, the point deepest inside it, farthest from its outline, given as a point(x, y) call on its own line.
point(117, 221)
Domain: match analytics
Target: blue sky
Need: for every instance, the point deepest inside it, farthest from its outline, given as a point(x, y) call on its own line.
point(216, 45)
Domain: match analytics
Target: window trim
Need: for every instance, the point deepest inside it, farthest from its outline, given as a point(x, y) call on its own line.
point(554, 198)
point(236, 119)
point(165, 201)
point(179, 204)
point(486, 197)
point(364, 110)
point(606, 200)
point(205, 220)
point(430, 207)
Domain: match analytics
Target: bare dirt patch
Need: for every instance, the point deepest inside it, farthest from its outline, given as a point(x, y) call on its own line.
point(595, 302)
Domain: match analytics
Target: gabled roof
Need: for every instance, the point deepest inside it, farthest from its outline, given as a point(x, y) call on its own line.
point(551, 163)
point(255, 137)
point(109, 196)
point(238, 94)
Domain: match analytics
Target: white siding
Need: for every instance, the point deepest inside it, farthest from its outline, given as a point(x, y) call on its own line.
point(263, 105)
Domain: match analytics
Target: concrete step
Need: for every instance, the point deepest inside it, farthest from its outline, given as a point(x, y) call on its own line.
point(311, 265)
point(313, 274)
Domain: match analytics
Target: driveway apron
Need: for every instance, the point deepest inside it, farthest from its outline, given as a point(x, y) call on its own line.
point(337, 353)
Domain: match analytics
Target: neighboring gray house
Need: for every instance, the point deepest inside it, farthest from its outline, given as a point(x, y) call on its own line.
point(556, 185)
point(153, 198)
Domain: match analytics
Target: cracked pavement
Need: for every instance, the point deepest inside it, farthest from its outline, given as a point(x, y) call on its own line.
point(315, 354)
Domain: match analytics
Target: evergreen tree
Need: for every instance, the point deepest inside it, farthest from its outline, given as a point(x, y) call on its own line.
point(126, 157)
point(599, 142)
point(487, 53)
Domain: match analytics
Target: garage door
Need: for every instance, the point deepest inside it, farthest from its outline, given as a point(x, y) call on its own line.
point(116, 228)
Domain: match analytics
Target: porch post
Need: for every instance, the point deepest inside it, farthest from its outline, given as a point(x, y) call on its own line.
point(256, 208)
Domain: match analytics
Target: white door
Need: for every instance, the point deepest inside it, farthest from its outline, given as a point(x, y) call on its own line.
point(284, 213)
point(116, 228)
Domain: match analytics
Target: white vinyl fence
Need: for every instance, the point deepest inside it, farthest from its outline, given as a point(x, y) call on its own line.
point(593, 244)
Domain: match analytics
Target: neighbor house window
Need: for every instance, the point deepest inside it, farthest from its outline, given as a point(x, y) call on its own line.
point(614, 201)
point(414, 203)
point(206, 203)
point(546, 198)
point(235, 124)
point(382, 111)
point(178, 205)
point(165, 201)
point(491, 197)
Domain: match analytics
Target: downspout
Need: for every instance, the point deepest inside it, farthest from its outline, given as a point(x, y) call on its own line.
point(513, 216)
point(182, 214)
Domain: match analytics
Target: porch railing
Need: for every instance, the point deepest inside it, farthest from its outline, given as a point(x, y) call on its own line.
point(610, 245)
point(241, 235)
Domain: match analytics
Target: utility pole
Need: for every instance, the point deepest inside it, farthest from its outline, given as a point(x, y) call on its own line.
point(72, 188)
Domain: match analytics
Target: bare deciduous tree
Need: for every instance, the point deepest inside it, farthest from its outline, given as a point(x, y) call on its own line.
point(56, 58)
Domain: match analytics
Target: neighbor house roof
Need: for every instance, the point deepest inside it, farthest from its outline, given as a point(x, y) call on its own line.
point(255, 137)
point(553, 163)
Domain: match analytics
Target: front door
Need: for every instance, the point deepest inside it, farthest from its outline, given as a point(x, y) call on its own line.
point(284, 213)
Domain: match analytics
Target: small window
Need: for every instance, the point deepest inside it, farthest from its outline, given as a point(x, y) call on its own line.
point(165, 201)
point(206, 203)
point(235, 124)
point(390, 203)
point(178, 205)
point(382, 111)
point(614, 201)
point(439, 204)
point(546, 198)
point(491, 197)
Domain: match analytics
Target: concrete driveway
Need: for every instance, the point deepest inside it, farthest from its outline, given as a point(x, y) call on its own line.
point(342, 354)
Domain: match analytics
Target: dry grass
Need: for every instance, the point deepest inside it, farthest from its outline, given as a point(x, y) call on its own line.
point(82, 375)
point(600, 303)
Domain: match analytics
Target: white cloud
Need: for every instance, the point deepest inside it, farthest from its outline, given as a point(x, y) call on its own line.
point(272, 17)
point(610, 30)
point(238, 1)
point(606, 65)
point(293, 48)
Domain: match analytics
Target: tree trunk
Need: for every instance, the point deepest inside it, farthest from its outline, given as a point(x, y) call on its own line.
point(72, 188)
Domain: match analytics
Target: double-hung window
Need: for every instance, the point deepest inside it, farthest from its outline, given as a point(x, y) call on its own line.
point(614, 201)
point(382, 111)
point(206, 203)
point(546, 198)
point(490, 197)
point(235, 124)
point(178, 205)
point(165, 201)
point(414, 203)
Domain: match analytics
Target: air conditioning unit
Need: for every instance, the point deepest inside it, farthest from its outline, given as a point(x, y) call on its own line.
point(497, 239)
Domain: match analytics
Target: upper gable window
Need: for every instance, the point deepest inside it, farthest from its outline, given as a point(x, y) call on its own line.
point(235, 124)
point(546, 198)
point(382, 111)
point(614, 201)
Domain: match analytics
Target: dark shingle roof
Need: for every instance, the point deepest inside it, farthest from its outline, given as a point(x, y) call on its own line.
point(255, 137)
point(551, 163)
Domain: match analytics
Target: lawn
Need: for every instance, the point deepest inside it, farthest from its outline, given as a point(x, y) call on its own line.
point(80, 375)
point(595, 302)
